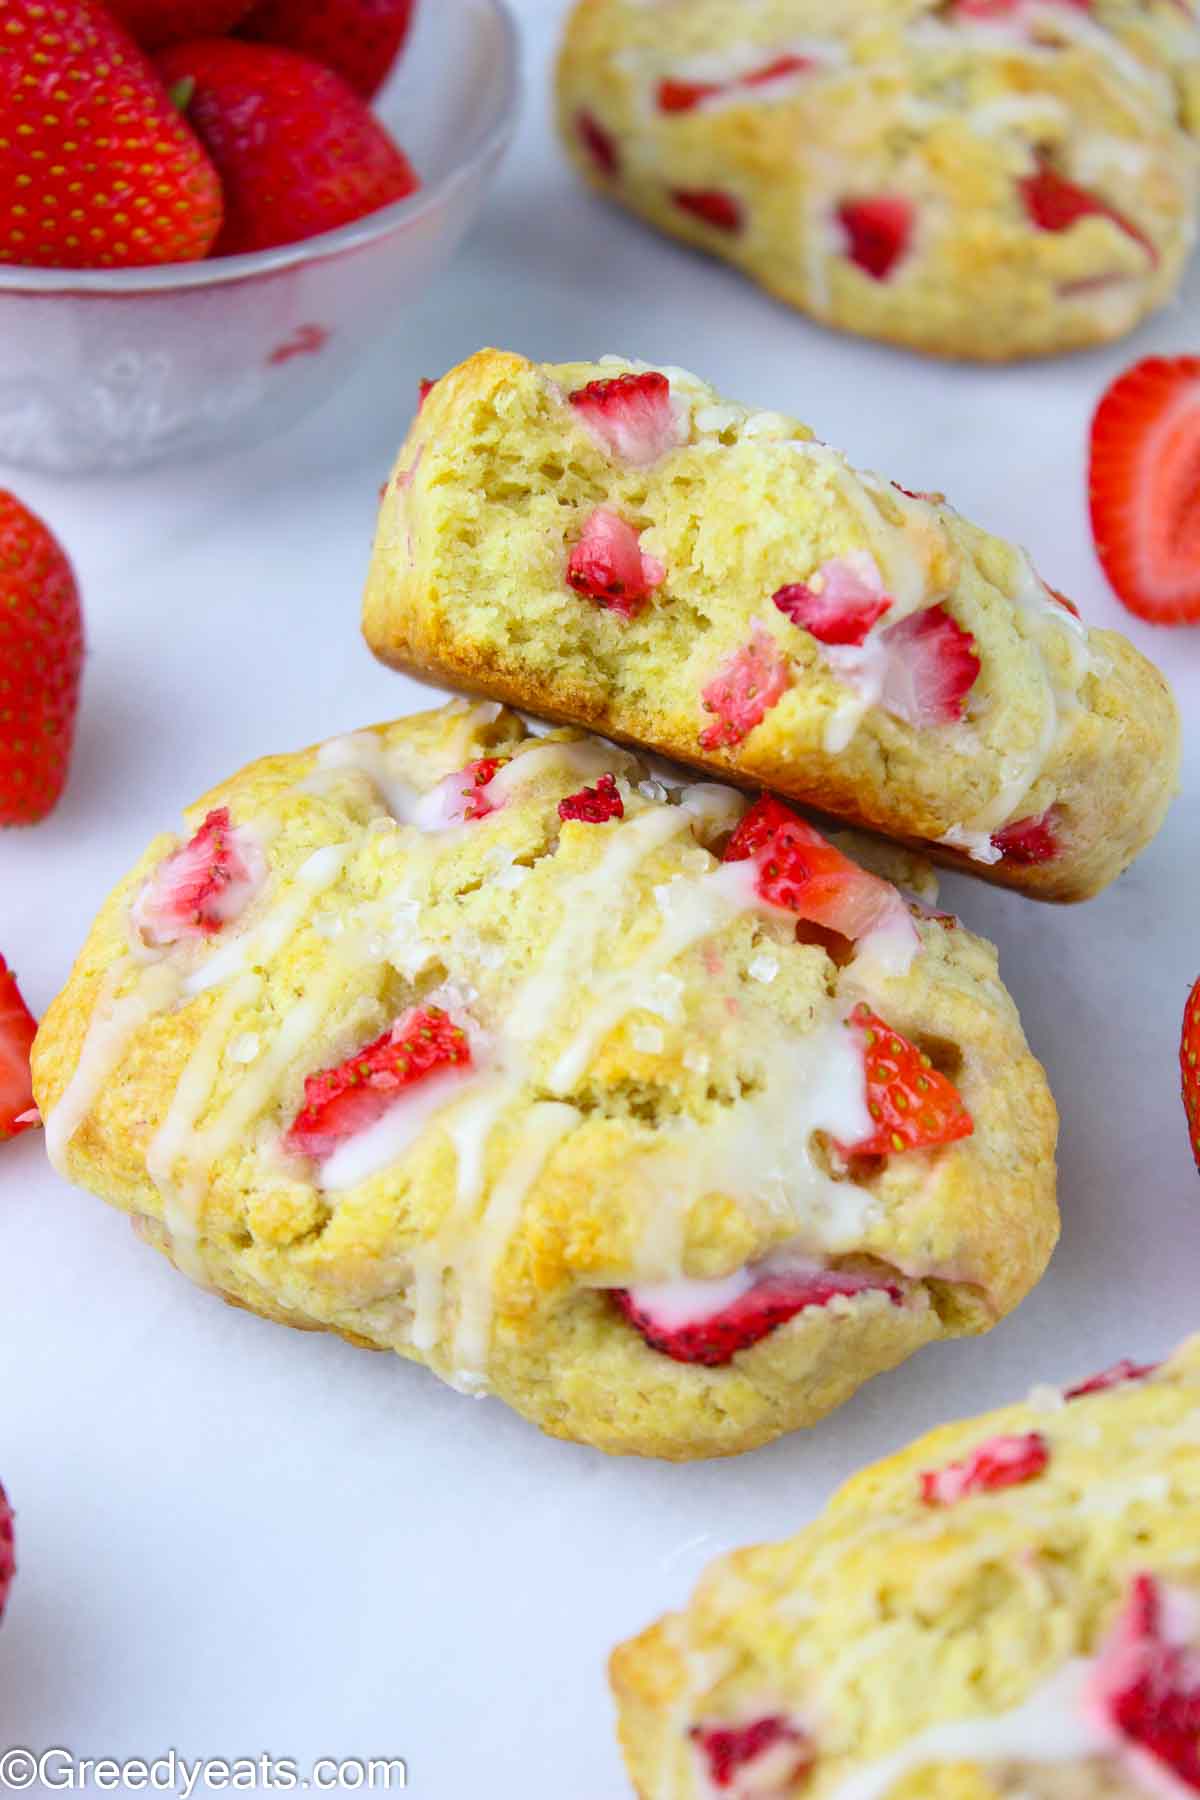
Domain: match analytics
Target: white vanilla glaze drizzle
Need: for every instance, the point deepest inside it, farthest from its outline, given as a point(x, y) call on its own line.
point(112, 1025)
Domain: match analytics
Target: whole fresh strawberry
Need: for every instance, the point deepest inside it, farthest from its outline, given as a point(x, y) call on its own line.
point(1143, 488)
point(41, 656)
point(1189, 1060)
point(361, 39)
point(98, 170)
point(157, 22)
point(298, 152)
point(17, 1112)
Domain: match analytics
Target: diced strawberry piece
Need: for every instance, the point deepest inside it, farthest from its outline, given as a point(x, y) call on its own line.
point(342, 1101)
point(676, 96)
point(769, 1749)
point(913, 1105)
point(801, 873)
point(1189, 1064)
point(476, 778)
point(608, 566)
point(1146, 1688)
point(202, 887)
point(1061, 599)
point(1145, 488)
point(1117, 1376)
point(713, 1340)
point(425, 387)
point(745, 689)
point(685, 96)
point(632, 415)
point(878, 232)
point(1029, 841)
point(775, 71)
point(840, 603)
point(711, 206)
point(1003, 1462)
point(1004, 9)
point(932, 666)
point(599, 144)
point(17, 1111)
point(8, 1561)
point(594, 805)
point(1055, 204)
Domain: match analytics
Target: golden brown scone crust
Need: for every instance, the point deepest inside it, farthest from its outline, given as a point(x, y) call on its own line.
point(888, 1618)
point(483, 1243)
point(905, 102)
point(468, 587)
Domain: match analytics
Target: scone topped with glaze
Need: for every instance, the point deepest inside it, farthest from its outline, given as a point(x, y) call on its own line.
point(973, 178)
point(1007, 1610)
point(620, 548)
point(645, 1108)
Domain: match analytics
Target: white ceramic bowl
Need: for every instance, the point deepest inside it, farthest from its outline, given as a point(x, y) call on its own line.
point(112, 369)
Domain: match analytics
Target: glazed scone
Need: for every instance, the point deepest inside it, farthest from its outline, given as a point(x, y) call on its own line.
point(570, 1082)
point(619, 548)
point(972, 178)
point(1007, 1610)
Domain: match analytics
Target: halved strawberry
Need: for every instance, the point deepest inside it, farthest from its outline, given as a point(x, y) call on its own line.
point(932, 666)
point(1117, 1376)
point(713, 1339)
point(1029, 841)
point(1145, 488)
point(744, 689)
point(594, 805)
point(1002, 1462)
point(879, 231)
point(608, 566)
point(914, 1106)
point(773, 1752)
point(711, 206)
point(17, 1111)
point(840, 603)
point(204, 885)
point(1189, 1065)
point(801, 873)
point(599, 144)
point(632, 415)
point(1146, 1688)
point(342, 1101)
point(1055, 204)
point(8, 1561)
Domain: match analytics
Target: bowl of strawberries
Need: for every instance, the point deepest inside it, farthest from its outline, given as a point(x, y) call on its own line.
point(211, 209)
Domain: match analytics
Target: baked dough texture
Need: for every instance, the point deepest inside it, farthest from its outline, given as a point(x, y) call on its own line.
point(1039, 1641)
point(659, 1072)
point(972, 178)
point(1047, 772)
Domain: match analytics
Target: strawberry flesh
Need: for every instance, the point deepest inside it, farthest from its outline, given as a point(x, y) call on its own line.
point(608, 566)
point(1056, 204)
point(1029, 841)
point(839, 604)
point(799, 872)
point(913, 1105)
point(594, 805)
point(931, 667)
point(203, 886)
point(730, 1750)
point(342, 1101)
point(684, 96)
point(1002, 1462)
point(878, 233)
point(1147, 1689)
point(631, 415)
point(1117, 1376)
point(1189, 1066)
point(8, 1561)
point(359, 39)
point(1145, 488)
point(41, 661)
point(599, 144)
point(713, 1341)
point(17, 1111)
point(744, 690)
point(711, 206)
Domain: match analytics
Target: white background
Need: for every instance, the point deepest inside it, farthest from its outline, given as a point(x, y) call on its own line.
point(235, 1538)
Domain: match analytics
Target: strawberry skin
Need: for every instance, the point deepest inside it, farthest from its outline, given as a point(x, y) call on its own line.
point(1055, 204)
point(1002, 1462)
point(97, 169)
point(913, 1105)
point(342, 1101)
point(1029, 841)
point(771, 1302)
point(155, 23)
point(297, 151)
point(17, 1029)
point(358, 39)
point(631, 415)
point(743, 691)
point(1144, 488)
point(8, 1562)
point(594, 805)
point(1117, 1376)
point(203, 886)
point(801, 873)
point(608, 566)
point(711, 206)
point(41, 659)
point(769, 1749)
point(1147, 1687)
point(1189, 1063)
point(839, 604)
point(878, 233)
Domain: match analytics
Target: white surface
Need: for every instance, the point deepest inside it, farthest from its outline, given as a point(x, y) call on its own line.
point(235, 1538)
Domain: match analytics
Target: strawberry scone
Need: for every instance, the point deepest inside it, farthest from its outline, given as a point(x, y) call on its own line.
point(1007, 1610)
point(619, 548)
point(643, 1107)
point(973, 178)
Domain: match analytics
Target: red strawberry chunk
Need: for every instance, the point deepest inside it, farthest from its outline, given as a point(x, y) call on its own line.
point(1055, 204)
point(1002, 1462)
point(17, 1111)
point(775, 71)
point(608, 566)
point(632, 415)
point(8, 1561)
point(769, 1749)
point(599, 144)
point(913, 1105)
point(202, 887)
point(711, 206)
point(745, 689)
point(932, 666)
point(1117, 1376)
point(1029, 841)
point(1005, 9)
point(800, 872)
point(476, 779)
point(685, 96)
point(594, 805)
point(342, 1101)
point(1189, 1065)
point(425, 387)
point(878, 232)
point(713, 1339)
point(1146, 1688)
point(840, 603)
point(1061, 599)
point(676, 96)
